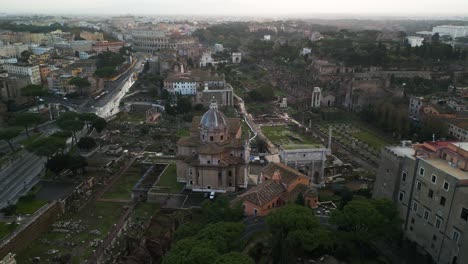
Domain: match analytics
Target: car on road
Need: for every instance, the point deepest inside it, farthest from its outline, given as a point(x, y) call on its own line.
point(212, 195)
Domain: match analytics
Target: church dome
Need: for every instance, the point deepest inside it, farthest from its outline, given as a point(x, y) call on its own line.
point(213, 119)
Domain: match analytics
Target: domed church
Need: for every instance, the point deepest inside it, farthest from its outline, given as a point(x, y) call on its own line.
point(215, 156)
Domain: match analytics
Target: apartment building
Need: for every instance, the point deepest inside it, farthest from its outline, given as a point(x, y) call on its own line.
point(428, 182)
point(24, 70)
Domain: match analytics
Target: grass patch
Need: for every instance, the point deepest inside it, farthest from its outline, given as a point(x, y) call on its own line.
point(29, 207)
point(6, 229)
point(122, 188)
point(168, 180)
point(145, 210)
point(183, 132)
point(282, 135)
point(370, 139)
point(96, 216)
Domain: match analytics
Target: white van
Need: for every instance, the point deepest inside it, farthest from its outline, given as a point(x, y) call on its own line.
point(212, 195)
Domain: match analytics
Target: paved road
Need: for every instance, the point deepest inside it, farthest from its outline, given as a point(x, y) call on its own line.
point(19, 177)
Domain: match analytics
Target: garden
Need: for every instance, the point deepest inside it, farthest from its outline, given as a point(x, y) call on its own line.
point(285, 136)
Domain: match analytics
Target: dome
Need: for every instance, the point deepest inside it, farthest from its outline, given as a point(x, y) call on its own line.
point(213, 119)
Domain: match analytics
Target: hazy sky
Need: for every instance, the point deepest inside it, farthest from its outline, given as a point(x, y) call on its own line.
point(230, 7)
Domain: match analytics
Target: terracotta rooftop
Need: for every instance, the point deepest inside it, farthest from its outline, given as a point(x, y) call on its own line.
point(263, 193)
point(287, 173)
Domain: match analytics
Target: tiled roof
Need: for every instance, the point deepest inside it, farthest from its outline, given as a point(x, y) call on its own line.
point(287, 173)
point(263, 193)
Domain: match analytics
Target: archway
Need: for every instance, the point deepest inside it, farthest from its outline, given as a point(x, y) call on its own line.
point(316, 177)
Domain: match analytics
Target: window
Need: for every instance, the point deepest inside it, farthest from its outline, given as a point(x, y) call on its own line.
point(401, 196)
point(434, 238)
point(426, 214)
point(222, 137)
point(421, 171)
point(456, 235)
point(442, 201)
point(446, 186)
point(433, 179)
point(208, 161)
point(415, 206)
point(438, 222)
point(403, 177)
point(211, 138)
point(464, 214)
point(418, 186)
point(430, 194)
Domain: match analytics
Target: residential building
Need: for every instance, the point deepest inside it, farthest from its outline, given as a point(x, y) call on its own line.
point(458, 129)
point(453, 31)
point(92, 36)
point(10, 87)
point(428, 182)
point(279, 185)
point(83, 55)
point(60, 84)
point(12, 50)
point(415, 41)
point(39, 50)
point(218, 48)
point(224, 94)
point(215, 155)
point(25, 70)
point(415, 106)
point(7, 60)
point(306, 51)
point(107, 46)
point(201, 84)
point(44, 71)
point(78, 45)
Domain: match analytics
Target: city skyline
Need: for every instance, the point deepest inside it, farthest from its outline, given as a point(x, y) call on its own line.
point(240, 7)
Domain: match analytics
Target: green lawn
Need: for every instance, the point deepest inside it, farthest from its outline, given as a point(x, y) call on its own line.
point(183, 132)
point(370, 139)
point(145, 210)
point(282, 135)
point(168, 180)
point(96, 216)
point(29, 207)
point(122, 188)
point(6, 228)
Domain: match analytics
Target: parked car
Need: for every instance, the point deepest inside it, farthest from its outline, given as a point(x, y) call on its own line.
point(212, 195)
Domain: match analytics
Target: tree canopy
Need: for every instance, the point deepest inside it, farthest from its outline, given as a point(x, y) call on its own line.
point(86, 143)
point(47, 146)
point(295, 230)
point(79, 82)
point(7, 134)
point(207, 245)
point(33, 90)
point(26, 120)
point(99, 124)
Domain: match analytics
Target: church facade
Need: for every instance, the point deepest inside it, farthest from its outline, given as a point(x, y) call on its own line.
point(215, 156)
